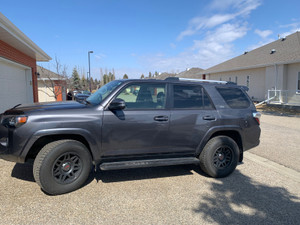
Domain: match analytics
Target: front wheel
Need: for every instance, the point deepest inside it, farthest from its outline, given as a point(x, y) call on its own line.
point(62, 166)
point(219, 157)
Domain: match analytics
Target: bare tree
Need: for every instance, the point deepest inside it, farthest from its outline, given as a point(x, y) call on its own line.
point(55, 83)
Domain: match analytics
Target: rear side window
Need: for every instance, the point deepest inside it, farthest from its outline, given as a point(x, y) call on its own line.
point(190, 97)
point(234, 97)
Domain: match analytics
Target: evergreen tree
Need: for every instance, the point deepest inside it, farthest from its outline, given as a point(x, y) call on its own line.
point(111, 76)
point(156, 74)
point(125, 76)
point(75, 79)
point(105, 79)
point(84, 83)
point(150, 74)
point(142, 76)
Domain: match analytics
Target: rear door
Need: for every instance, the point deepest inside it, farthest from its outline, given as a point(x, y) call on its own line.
point(192, 114)
point(142, 127)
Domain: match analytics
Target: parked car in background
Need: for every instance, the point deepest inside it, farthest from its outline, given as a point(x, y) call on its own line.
point(80, 96)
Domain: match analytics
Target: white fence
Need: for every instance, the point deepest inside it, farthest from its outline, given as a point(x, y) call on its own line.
point(284, 97)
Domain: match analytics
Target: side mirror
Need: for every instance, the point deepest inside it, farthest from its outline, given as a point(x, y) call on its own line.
point(117, 104)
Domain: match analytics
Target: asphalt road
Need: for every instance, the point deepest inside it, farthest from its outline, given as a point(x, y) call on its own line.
point(280, 140)
point(254, 194)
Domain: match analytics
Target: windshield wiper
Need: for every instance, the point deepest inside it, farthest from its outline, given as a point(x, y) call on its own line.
point(87, 102)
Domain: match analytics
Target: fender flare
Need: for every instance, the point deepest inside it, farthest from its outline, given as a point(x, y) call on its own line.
point(215, 129)
point(62, 131)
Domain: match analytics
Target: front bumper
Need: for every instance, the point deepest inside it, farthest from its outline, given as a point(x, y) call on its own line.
point(5, 152)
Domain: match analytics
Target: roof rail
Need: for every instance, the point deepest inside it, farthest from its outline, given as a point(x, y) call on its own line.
point(202, 80)
point(172, 78)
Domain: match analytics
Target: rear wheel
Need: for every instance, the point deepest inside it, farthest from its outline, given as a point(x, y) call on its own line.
point(219, 157)
point(62, 166)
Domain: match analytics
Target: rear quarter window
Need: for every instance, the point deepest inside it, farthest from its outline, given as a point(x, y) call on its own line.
point(234, 97)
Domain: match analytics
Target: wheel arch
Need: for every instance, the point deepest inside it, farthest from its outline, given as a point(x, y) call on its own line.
point(40, 139)
point(231, 131)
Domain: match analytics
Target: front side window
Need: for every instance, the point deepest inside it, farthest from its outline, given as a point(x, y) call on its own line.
point(190, 97)
point(144, 96)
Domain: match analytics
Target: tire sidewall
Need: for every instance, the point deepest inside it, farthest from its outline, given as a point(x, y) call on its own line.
point(47, 180)
point(207, 156)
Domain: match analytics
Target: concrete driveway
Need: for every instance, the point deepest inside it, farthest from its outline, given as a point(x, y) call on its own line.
point(256, 193)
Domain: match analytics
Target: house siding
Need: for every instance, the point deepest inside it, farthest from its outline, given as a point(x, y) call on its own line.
point(256, 83)
point(10, 53)
point(292, 76)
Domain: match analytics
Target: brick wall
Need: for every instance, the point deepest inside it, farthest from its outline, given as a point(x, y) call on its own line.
point(9, 52)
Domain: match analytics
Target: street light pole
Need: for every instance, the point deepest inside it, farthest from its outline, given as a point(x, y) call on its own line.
point(89, 52)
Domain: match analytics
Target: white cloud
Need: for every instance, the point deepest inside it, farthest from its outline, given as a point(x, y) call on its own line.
point(172, 45)
point(263, 33)
point(240, 9)
point(213, 49)
point(100, 56)
point(293, 27)
point(198, 23)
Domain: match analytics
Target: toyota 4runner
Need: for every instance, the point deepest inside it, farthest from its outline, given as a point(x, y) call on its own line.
point(131, 124)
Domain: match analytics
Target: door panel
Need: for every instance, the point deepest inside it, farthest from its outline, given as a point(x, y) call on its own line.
point(142, 127)
point(135, 132)
point(188, 127)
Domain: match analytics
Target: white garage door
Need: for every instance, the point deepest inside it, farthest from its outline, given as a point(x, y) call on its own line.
point(15, 84)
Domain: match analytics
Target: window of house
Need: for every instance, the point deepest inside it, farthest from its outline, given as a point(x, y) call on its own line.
point(190, 97)
point(236, 80)
point(229, 79)
point(298, 83)
point(144, 96)
point(248, 81)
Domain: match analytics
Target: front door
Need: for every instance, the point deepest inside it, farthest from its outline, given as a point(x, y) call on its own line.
point(142, 127)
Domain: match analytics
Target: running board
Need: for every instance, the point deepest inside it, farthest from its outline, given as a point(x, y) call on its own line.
point(148, 163)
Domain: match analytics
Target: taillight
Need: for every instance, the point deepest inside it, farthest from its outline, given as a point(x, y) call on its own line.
point(256, 116)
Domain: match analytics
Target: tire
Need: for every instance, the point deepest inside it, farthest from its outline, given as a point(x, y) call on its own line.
point(62, 166)
point(219, 157)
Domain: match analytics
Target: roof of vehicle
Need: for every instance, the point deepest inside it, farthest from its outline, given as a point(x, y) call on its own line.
point(181, 80)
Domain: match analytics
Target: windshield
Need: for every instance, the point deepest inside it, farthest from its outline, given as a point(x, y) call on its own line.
point(103, 92)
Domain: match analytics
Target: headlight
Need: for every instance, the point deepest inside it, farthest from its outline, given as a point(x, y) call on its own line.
point(14, 121)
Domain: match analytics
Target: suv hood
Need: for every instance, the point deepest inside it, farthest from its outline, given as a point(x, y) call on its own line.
point(24, 108)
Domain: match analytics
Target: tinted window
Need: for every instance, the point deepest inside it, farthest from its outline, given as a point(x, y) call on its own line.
point(234, 97)
point(144, 96)
point(188, 96)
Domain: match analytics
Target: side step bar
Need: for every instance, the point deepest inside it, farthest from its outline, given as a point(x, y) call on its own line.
point(148, 163)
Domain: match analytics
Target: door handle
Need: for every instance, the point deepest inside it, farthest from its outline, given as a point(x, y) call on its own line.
point(209, 118)
point(161, 118)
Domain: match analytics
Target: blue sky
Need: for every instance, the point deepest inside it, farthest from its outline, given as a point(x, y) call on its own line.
point(138, 36)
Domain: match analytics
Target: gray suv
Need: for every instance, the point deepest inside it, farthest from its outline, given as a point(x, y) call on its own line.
point(131, 124)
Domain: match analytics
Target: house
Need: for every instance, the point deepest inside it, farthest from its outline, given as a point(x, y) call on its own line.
point(272, 72)
point(18, 57)
point(188, 73)
point(51, 86)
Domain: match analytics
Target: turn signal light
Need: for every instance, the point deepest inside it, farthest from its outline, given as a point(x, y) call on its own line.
point(21, 119)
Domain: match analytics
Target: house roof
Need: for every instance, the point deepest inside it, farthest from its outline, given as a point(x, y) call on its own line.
point(287, 50)
point(189, 73)
point(45, 74)
point(13, 36)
